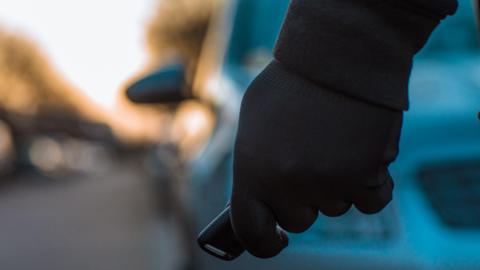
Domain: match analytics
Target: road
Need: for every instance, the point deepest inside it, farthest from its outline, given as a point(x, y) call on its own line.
point(100, 221)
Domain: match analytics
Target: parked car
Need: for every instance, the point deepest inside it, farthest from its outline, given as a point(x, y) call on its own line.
point(434, 220)
point(52, 144)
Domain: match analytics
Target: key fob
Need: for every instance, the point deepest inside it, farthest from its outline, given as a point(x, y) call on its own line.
point(219, 240)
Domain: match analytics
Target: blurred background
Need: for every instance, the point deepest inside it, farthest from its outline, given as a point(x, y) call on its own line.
point(89, 180)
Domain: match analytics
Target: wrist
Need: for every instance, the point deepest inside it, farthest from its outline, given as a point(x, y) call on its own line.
point(364, 49)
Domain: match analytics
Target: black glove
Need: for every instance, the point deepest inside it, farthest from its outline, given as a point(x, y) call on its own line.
point(302, 148)
point(320, 125)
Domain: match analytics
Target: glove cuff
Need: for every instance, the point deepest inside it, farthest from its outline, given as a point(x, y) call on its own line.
point(364, 48)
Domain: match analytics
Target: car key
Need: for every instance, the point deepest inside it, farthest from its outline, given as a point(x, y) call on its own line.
point(219, 240)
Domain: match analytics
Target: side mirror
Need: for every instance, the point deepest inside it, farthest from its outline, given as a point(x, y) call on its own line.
point(165, 85)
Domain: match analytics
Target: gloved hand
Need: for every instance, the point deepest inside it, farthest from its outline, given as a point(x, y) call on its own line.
point(301, 149)
point(321, 124)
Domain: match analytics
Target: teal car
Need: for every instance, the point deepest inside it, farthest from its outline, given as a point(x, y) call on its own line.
point(434, 221)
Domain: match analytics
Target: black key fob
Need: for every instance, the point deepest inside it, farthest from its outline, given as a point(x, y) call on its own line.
point(219, 240)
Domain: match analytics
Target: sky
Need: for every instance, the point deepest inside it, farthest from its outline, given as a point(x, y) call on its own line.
point(96, 44)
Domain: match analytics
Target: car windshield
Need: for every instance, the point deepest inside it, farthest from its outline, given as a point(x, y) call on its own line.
point(257, 23)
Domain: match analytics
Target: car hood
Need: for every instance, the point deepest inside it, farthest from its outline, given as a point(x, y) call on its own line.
point(442, 121)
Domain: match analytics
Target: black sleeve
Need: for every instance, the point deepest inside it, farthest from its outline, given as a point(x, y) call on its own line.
point(362, 48)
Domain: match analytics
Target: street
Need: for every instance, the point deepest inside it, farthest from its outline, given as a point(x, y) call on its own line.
point(102, 220)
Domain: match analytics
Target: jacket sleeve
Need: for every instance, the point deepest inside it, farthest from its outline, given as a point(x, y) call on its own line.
point(362, 48)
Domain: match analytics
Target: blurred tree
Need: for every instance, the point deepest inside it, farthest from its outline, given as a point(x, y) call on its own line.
point(30, 85)
point(177, 30)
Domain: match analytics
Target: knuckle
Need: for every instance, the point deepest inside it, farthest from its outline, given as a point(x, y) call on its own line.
point(299, 225)
point(373, 206)
point(258, 239)
point(335, 210)
point(260, 246)
point(263, 252)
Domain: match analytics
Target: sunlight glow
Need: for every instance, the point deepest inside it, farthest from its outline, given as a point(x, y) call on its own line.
point(96, 45)
point(192, 126)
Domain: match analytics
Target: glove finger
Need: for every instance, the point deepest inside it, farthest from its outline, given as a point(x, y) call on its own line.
point(391, 151)
point(295, 219)
point(334, 208)
point(255, 226)
point(371, 200)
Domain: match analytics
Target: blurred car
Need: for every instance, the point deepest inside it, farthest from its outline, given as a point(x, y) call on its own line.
point(434, 221)
point(53, 144)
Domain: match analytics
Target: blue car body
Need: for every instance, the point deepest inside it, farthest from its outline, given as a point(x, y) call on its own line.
point(434, 221)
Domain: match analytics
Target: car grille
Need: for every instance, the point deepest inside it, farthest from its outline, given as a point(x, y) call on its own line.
point(353, 227)
point(454, 192)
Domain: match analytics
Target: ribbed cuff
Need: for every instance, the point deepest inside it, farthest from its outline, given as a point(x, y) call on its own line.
point(362, 48)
